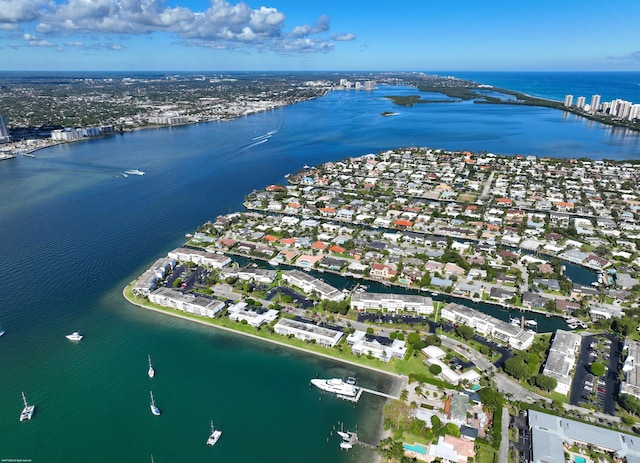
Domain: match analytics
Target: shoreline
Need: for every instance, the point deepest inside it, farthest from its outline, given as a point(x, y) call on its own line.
point(259, 338)
point(398, 383)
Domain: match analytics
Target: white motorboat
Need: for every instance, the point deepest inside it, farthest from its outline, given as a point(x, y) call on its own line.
point(215, 435)
point(155, 410)
point(27, 411)
point(75, 336)
point(151, 372)
point(335, 385)
point(134, 172)
point(345, 444)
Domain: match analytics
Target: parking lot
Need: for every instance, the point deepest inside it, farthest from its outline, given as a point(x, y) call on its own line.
point(300, 299)
point(588, 390)
point(523, 444)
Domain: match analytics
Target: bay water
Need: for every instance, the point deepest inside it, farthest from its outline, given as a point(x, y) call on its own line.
point(74, 231)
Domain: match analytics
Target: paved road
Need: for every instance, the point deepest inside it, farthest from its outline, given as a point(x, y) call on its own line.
point(504, 444)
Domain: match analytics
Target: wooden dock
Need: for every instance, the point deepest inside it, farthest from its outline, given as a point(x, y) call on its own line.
point(356, 398)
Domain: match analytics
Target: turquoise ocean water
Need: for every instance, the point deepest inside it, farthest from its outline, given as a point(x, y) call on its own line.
point(74, 231)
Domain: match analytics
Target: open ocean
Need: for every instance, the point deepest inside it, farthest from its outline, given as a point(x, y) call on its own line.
point(74, 231)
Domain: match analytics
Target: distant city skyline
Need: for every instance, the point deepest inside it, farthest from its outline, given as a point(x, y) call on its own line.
point(273, 35)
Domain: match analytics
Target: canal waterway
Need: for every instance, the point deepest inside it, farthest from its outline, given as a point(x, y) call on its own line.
point(74, 231)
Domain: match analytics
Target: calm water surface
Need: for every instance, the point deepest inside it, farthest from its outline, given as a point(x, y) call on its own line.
point(74, 231)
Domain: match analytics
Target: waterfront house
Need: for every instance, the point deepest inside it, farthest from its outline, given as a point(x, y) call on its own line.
point(254, 317)
point(382, 271)
point(379, 347)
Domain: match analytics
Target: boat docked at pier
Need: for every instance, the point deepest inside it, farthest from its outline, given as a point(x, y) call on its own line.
point(27, 411)
point(336, 385)
point(215, 435)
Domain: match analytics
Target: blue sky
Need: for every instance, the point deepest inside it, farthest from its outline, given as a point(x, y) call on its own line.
point(411, 35)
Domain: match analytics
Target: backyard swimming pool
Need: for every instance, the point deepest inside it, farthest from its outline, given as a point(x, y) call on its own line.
point(422, 450)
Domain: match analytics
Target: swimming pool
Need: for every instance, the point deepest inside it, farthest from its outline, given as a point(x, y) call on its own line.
point(579, 459)
point(422, 450)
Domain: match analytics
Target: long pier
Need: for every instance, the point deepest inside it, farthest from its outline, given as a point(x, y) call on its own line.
point(356, 398)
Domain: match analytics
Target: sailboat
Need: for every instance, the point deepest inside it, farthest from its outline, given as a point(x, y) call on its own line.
point(27, 411)
point(155, 410)
point(215, 435)
point(151, 372)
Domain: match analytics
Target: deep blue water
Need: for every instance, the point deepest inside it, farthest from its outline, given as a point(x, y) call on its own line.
point(555, 85)
point(74, 231)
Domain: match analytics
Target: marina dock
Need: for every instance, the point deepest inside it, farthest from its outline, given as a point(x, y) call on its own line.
point(356, 398)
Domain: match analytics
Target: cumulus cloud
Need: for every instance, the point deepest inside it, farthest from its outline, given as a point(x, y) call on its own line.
point(221, 25)
point(343, 37)
point(19, 11)
point(322, 24)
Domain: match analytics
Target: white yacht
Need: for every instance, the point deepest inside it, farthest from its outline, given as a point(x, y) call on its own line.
point(27, 411)
point(75, 336)
point(155, 410)
point(215, 435)
point(134, 172)
point(151, 372)
point(335, 385)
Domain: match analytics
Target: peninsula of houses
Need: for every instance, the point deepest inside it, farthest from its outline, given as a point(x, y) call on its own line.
point(389, 257)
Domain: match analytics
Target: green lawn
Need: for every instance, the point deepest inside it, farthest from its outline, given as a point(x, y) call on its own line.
point(485, 453)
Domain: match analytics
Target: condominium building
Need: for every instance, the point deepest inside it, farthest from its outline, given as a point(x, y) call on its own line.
point(196, 256)
point(186, 302)
point(515, 336)
point(568, 100)
point(392, 302)
point(631, 383)
point(4, 131)
point(595, 103)
point(308, 332)
point(561, 359)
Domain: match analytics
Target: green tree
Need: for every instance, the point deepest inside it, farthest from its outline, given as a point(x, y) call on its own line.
point(435, 369)
point(597, 369)
point(546, 383)
point(517, 368)
point(465, 331)
point(630, 403)
point(491, 398)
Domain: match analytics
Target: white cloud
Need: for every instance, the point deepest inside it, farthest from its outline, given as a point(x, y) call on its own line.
point(19, 11)
point(343, 37)
point(221, 25)
point(321, 25)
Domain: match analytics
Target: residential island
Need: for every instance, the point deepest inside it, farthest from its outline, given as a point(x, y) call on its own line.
point(390, 261)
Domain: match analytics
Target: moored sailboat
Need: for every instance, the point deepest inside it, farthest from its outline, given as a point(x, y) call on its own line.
point(215, 435)
point(151, 372)
point(155, 410)
point(27, 411)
